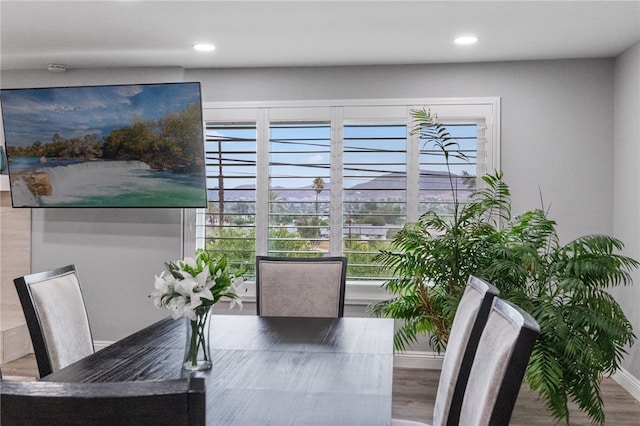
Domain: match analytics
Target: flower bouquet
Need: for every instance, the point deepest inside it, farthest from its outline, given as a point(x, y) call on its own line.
point(189, 288)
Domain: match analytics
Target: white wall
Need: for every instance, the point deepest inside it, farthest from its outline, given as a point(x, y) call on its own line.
point(557, 135)
point(627, 184)
point(557, 120)
point(117, 251)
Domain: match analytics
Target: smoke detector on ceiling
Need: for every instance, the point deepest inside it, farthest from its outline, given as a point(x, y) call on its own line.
point(56, 68)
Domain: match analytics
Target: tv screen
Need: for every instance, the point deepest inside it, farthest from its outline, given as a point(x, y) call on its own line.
point(137, 145)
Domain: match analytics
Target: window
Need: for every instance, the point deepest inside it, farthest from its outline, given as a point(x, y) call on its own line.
point(435, 185)
point(299, 181)
point(229, 223)
point(331, 178)
point(374, 165)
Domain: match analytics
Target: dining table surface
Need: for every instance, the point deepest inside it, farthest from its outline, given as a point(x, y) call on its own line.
point(266, 370)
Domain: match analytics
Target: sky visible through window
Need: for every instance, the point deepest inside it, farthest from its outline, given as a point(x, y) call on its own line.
point(372, 159)
point(299, 153)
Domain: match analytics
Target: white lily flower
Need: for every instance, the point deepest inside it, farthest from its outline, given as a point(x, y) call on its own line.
point(189, 313)
point(201, 289)
point(162, 282)
point(163, 287)
point(238, 287)
point(157, 298)
point(205, 293)
point(194, 290)
point(197, 296)
point(177, 306)
point(185, 287)
point(182, 293)
point(203, 279)
point(190, 261)
point(184, 274)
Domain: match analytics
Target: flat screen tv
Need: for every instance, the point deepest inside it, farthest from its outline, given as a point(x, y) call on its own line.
point(136, 145)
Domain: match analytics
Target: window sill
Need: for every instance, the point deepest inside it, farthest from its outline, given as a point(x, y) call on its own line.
point(358, 293)
point(365, 293)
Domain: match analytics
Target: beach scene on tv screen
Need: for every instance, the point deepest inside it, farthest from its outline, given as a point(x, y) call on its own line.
point(105, 146)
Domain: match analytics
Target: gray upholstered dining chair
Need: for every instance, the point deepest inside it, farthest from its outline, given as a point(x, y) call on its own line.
point(170, 402)
point(300, 287)
point(468, 324)
point(56, 317)
point(498, 368)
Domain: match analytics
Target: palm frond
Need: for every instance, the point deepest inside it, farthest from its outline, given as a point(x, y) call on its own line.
point(494, 199)
point(583, 330)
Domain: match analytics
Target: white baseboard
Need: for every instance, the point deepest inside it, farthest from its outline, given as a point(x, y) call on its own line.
point(418, 359)
point(629, 382)
point(101, 344)
point(432, 360)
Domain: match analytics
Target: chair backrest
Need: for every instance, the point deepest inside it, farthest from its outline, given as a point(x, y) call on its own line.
point(56, 317)
point(171, 402)
point(499, 366)
point(300, 287)
point(468, 324)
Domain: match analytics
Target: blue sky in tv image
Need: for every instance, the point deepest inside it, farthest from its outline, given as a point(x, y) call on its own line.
point(37, 114)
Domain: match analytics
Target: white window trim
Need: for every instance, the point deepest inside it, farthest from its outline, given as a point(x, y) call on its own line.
point(482, 109)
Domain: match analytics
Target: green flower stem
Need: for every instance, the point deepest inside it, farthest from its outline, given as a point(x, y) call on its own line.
point(198, 338)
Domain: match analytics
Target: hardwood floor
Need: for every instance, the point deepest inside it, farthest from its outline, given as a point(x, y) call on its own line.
point(24, 368)
point(414, 392)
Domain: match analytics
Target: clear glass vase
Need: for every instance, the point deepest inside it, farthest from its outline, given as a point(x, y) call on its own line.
point(197, 354)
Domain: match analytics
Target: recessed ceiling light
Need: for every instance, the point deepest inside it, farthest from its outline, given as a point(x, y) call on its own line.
point(203, 47)
point(465, 40)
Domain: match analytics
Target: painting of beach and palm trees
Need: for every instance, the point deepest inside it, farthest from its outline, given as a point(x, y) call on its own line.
point(138, 145)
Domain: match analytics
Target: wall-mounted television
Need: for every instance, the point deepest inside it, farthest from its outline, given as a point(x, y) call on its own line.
point(135, 145)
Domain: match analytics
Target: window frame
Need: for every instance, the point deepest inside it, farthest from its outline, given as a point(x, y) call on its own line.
point(485, 111)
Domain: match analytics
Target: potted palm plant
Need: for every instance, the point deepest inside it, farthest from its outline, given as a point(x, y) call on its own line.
point(563, 286)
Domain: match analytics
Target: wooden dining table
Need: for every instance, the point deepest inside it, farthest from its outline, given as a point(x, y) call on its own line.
point(266, 370)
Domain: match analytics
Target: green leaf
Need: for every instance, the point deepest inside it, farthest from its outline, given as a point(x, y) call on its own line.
point(583, 330)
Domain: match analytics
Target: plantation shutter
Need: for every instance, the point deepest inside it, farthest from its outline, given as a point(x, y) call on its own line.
point(338, 178)
point(229, 221)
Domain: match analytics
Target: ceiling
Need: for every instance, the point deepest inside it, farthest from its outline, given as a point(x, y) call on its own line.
point(90, 34)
